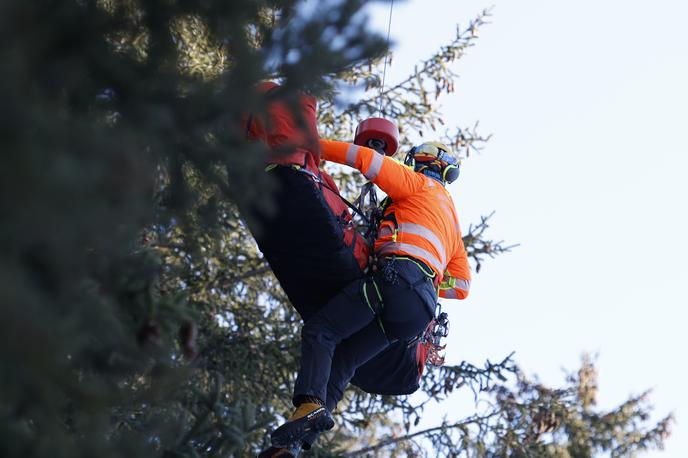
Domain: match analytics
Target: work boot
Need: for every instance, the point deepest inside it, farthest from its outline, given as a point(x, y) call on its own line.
point(308, 440)
point(308, 417)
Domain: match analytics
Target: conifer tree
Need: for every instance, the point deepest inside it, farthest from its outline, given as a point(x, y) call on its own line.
point(137, 317)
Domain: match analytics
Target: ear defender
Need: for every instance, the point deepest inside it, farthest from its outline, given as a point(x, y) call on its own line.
point(410, 160)
point(450, 173)
point(451, 170)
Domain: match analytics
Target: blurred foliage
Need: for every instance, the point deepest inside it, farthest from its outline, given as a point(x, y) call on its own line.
point(137, 317)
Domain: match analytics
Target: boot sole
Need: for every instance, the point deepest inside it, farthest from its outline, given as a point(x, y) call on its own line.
point(289, 433)
point(277, 453)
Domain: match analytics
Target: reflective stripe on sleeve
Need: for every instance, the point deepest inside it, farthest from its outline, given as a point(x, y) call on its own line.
point(351, 155)
point(429, 235)
point(375, 166)
point(412, 250)
point(453, 293)
point(450, 283)
point(463, 284)
point(449, 294)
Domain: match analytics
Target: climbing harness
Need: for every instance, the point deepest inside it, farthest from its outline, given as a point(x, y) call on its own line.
point(365, 207)
point(429, 273)
point(318, 180)
point(373, 299)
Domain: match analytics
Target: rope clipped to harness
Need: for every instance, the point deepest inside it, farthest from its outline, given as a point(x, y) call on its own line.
point(375, 303)
point(368, 204)
point(437, 329)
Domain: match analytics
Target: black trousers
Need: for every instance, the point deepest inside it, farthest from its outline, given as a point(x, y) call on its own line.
point(346, 333)
point(304, 245)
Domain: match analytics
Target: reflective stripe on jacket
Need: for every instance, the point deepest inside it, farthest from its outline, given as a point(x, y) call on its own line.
point(421, 221)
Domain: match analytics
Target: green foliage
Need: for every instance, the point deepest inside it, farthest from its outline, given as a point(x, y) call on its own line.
point(109, 108)
point(137, 316)
point(529, 419)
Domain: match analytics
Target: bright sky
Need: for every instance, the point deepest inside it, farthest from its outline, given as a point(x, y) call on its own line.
point(588, 104)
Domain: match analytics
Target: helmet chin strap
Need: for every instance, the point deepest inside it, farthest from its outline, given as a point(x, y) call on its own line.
point(431, 172)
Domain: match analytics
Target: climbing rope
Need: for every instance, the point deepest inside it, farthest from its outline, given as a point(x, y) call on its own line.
point(368, 204)
point(384, 69)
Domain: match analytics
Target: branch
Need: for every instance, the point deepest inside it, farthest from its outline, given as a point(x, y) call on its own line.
point(443, 427)
point(453, 51)
point(412, 103)
point(477, 246)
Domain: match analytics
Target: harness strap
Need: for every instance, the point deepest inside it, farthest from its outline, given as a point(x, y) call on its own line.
point(318, 180)
point(427, 271)
point(375, 303)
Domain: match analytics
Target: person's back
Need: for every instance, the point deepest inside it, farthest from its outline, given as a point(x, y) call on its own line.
point(413, 225)
point(421, 221)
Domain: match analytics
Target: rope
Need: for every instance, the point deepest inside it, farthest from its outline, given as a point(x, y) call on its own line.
point(384, 70)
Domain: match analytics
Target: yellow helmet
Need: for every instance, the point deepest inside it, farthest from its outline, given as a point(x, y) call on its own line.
point(427, 154)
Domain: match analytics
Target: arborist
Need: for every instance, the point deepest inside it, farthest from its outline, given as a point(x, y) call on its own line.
point(419, 255)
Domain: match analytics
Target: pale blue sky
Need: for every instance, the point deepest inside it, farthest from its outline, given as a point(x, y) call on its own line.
point(587, 101)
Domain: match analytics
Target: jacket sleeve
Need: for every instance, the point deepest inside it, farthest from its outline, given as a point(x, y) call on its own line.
point(456, 282)
point(393, 177)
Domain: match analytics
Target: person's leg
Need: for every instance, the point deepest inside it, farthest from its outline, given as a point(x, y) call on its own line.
point(348, 316)
point(404, 316)
point(349, 355)
point(344, 315)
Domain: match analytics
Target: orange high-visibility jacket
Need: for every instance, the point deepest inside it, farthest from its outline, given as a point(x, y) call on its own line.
point(421, 221)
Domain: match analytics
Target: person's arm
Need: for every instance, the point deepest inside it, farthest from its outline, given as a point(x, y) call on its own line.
point(393, 177)
point(456, 282)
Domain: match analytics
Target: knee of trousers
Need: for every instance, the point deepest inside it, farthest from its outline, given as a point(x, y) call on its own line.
point(318, 331)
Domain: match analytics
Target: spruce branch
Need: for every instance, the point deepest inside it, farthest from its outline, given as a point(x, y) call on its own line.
point(443, 428)
point(477, 246)
point(413, 102)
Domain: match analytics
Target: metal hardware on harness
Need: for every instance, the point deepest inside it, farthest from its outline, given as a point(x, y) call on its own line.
point(437, 329)
point(389, 272)
point(368, 204)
